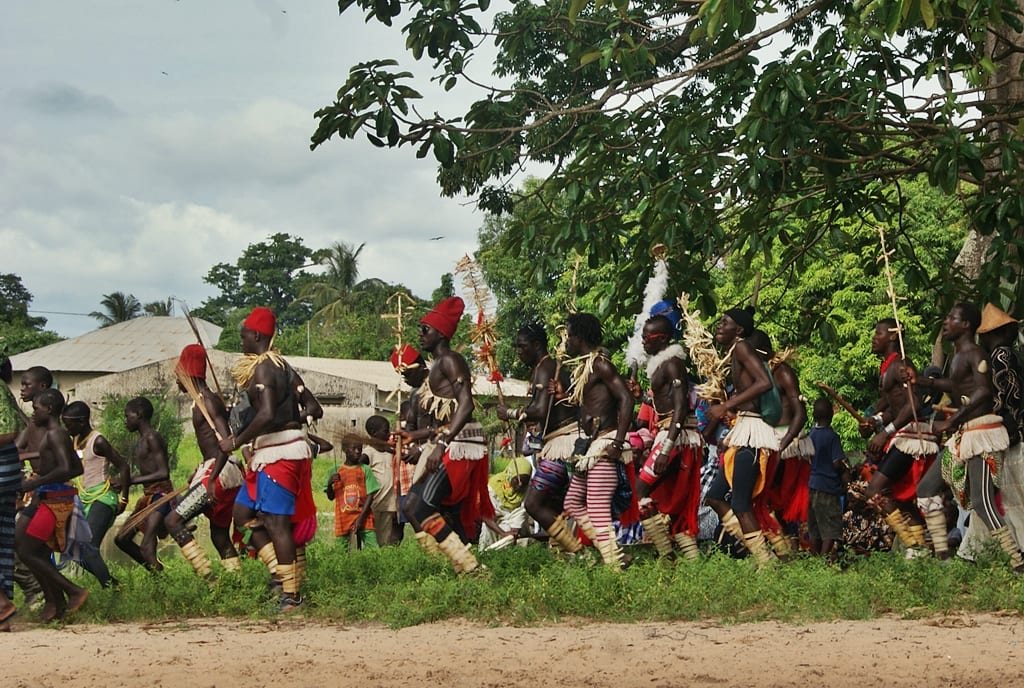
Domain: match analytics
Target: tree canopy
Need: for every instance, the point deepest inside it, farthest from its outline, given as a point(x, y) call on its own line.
point(711, 126)
point(118, 307)
point(20, 331)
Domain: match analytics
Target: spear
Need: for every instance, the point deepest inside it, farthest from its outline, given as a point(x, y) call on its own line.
point(891, 289)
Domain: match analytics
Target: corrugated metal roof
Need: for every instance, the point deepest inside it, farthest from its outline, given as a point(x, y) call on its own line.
point(130, 344)
point(383, 375)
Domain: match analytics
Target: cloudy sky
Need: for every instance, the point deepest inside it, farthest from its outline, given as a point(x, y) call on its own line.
point(143, 141)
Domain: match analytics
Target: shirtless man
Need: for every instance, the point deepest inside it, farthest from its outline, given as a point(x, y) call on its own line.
point(150, 458)
point(668, 486)
point(413, 430)
point(33, 381)
point(905, 445)
point(559, 429)
point(455, 468)
point(606, 412)
point(281, 457)
point(42, 529)
point(749, 442)
point(216, 481)
point(978, 437)
point(103, 499)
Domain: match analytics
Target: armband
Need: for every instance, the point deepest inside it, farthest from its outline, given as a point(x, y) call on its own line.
point(889, 429)
point(677, 383)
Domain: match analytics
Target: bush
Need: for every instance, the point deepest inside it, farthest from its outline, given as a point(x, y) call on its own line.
point(165, 421)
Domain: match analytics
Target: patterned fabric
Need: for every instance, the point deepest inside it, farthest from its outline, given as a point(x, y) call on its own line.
point(1007, 377)
point(10, 481)
point(864, 530)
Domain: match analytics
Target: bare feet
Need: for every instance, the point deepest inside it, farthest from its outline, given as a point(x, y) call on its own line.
point(76, 601)
point(6, 612)
point(50, 612)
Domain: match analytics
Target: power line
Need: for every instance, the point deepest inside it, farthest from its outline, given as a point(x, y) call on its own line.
point(85, 315)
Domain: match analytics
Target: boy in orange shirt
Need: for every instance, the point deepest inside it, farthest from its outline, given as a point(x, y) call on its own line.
point(352, 489)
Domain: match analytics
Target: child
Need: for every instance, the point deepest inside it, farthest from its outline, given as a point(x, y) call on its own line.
point(352, 490)
point(507, 490)
point(150, 457)
point(829, 475)
point(384, 465)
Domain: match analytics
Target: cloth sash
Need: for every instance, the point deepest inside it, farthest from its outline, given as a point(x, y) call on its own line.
point(749, 430)
point(981, 436)
point(596, 452)
point(283, 445)
point(62, 501)
point(469, 445)
point(559, 443)
point(916, 439)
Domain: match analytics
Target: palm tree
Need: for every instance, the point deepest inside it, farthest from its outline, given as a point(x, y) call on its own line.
point(330, 293)
point(118, 307)
point(159, 307)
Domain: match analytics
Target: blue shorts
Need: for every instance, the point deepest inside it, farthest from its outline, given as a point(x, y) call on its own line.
point(271, 498)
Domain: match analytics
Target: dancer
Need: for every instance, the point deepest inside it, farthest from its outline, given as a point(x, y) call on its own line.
point(455, 468)
point(44, 526)
point(103, 499)
point(669, 486)
point(905, 444)
point(606, 412)
point(749, 442)
point(280, 464)
point(216, 481)
point(972, 455)
point(558, 431)
point(150, 457)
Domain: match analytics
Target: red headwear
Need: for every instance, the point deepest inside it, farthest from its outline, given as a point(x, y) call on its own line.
point(405, 357)
point(445, 316)
point(262, 320)
point(192, 361)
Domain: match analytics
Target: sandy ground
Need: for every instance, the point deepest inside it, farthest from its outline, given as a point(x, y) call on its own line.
point(961, 651)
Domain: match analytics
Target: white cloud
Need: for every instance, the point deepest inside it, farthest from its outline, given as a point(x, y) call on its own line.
point(115, 176)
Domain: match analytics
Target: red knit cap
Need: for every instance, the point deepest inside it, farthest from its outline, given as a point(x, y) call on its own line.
point(405, 357)
point(262, 320)
point(445, 316)
point(192, 361)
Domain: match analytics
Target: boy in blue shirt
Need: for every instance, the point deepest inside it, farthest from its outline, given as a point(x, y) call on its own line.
point(829, 475)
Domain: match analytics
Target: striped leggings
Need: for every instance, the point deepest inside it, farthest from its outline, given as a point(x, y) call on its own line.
point(590, 494)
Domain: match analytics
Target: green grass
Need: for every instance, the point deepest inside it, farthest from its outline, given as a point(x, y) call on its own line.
point(401, 586)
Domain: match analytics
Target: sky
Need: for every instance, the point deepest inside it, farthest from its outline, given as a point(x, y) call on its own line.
point(144, 141)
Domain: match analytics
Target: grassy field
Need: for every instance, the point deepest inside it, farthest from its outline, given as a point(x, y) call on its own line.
point(401, 586)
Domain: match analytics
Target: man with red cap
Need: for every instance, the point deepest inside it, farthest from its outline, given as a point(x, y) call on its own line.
point(216, 481)
point(267, 417)
point(455, 461)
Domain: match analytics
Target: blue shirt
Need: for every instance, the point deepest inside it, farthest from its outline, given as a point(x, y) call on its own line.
point(827, 450)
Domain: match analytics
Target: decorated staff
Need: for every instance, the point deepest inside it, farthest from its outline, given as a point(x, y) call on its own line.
point(483, 335)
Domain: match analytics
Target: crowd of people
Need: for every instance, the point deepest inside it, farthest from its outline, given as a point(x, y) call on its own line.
point(599, 461)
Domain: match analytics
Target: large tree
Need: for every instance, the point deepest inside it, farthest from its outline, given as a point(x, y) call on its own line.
point(269, 273)
point(712, 126)
point(20, 331)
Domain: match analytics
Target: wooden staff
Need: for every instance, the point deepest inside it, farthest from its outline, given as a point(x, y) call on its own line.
point(197, 399)
point(139, 516)
point(842, 402)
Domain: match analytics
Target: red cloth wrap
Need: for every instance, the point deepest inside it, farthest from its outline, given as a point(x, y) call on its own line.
point(905, 489)
point(790, 494)
point(468, 479)
point(677, 492)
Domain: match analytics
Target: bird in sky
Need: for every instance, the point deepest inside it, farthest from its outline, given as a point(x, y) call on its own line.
point(437, 238)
